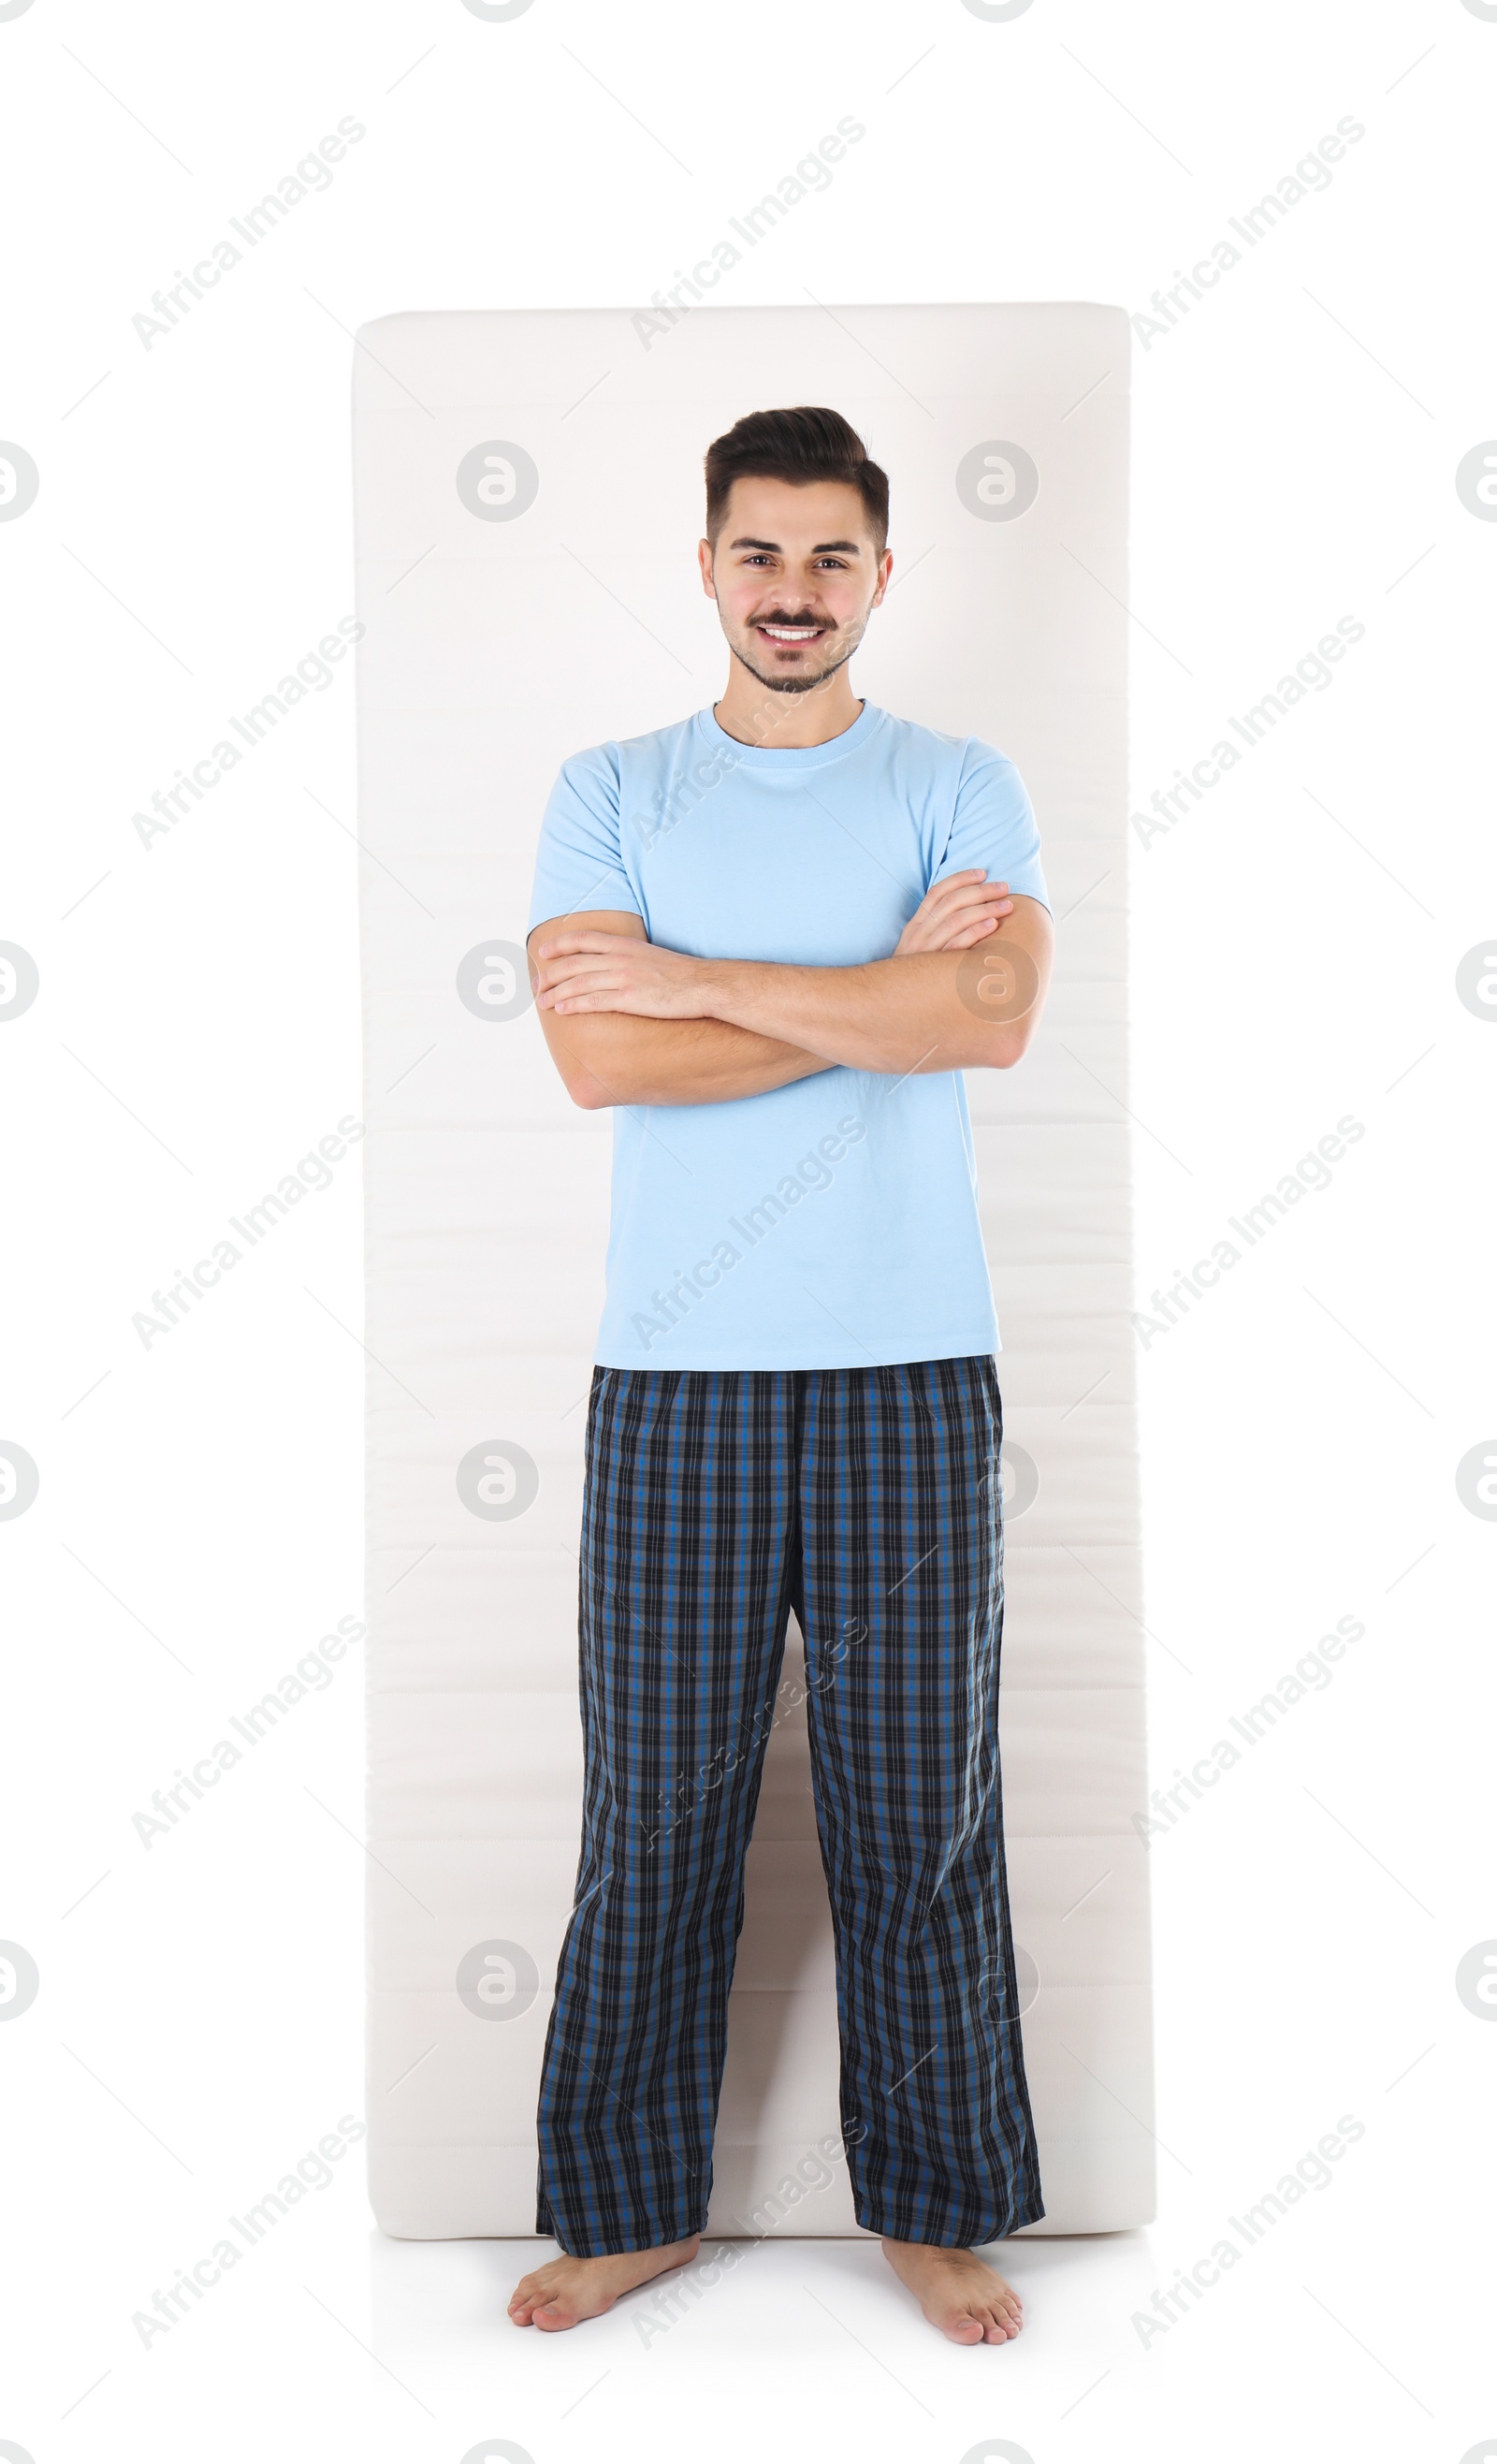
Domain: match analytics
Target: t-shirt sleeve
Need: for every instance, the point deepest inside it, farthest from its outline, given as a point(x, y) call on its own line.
point(994, 825)
point(580, 862)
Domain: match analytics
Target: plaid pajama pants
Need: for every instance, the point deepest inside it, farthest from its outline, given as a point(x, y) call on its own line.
point(714, 1500)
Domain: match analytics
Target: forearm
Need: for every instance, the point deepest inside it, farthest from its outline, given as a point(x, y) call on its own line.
point(971, 1004)
point(612, 1058)
point(892, 1015)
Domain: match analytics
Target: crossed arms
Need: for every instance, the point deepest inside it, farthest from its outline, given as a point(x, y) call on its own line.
point(626, 1023)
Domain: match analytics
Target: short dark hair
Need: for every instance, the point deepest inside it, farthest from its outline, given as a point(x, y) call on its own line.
point(801, 445)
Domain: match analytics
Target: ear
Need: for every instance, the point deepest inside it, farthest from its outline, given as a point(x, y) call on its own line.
point(704, 560)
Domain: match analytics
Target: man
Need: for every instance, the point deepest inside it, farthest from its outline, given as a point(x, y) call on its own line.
point(771, 937)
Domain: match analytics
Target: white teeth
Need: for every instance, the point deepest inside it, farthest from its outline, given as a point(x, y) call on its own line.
point(791, 632)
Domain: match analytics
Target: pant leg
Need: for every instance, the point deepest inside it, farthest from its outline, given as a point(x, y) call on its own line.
point(902, 1539)
point(688, 1536)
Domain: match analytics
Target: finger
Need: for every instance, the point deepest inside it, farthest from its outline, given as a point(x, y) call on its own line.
point(965, 891)
point(575, 980)
point(599, 997)
point(968, 912)
point(620, 1001)
point(590, 970)
point(967, 934)
point(563, 971)
point(612, 996)
point(966, 894)
point(588, 962)
point(924, 934)
point(962, 880)
point(954, 884)
point(974, 873)
point(946, 898)
point(978, 902)
point(568, 944)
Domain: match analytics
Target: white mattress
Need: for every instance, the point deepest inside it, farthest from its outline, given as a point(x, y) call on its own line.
point(496, 643)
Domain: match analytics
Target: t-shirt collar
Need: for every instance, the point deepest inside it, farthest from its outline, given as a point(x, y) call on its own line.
point(794, 757)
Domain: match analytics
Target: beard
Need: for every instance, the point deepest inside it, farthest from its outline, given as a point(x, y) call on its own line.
point(782, 681)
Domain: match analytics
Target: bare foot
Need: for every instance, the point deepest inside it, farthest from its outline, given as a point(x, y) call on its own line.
point(959, 2293)
point(567, 2290)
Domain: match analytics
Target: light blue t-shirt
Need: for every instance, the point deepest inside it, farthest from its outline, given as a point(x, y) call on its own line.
point(832, 1222)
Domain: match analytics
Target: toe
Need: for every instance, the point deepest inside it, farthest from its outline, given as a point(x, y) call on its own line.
point(965, 2331)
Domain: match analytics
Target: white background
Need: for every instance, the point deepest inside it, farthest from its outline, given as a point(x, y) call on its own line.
point(1296, 940)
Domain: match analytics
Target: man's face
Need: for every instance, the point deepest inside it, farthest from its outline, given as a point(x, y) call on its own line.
point(796, 576)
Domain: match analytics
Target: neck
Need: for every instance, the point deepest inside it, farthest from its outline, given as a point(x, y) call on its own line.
point(756, 715)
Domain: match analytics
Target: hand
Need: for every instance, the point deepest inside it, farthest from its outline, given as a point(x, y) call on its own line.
point(959, 911)
point(587, 970)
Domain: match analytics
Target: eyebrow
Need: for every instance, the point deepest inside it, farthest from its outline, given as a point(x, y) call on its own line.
point(823, 547)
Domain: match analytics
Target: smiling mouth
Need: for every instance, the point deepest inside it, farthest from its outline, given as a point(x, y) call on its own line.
point(792, 636)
